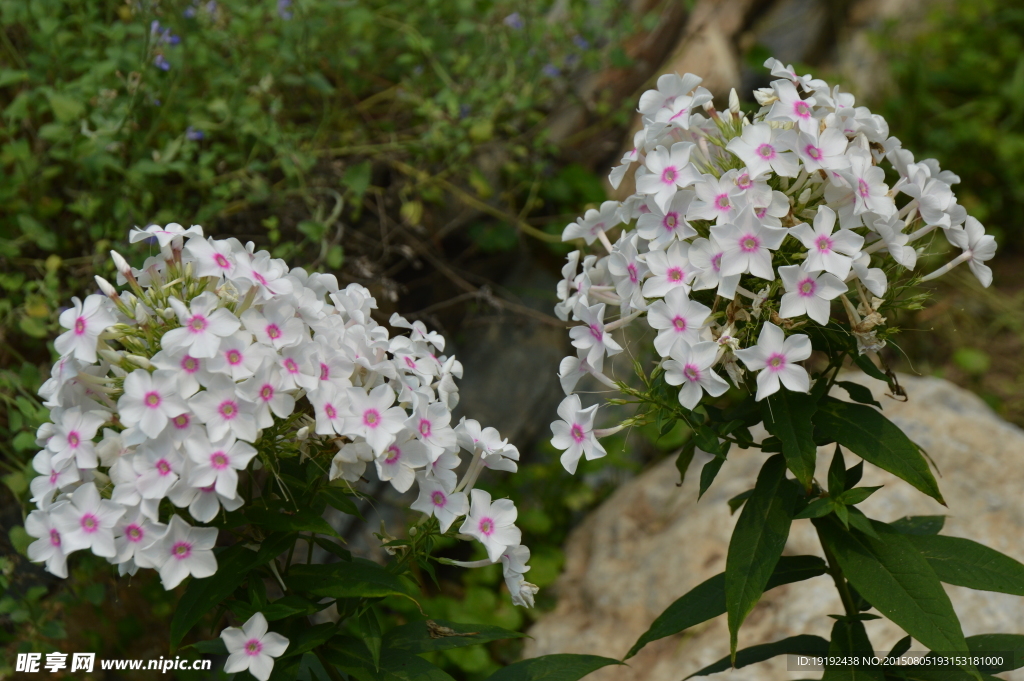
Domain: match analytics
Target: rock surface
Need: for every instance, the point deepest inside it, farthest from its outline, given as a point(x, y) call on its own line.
point(651, 542)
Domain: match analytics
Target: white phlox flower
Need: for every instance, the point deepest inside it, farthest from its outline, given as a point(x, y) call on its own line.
point(690, 367)
point(776, 357)
point(574, 433)
point(253, 647)
point(491, 523)
point(808, 293)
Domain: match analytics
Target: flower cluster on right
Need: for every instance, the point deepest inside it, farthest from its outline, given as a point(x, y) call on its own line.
point(744, 231)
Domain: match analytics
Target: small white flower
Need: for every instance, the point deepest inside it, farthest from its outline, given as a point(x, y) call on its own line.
point(371, 416)
point(203, 324)
point(492, 523)
point(431, 424)
point(789, 107)
point(48, 547)
point(747, 245)
point(212, 258)
point(183, 550)
point(690, 367)
point(776, 357)
point(266, 390)
point(133, 533)
point(977, 248)
point(676, 318)
point(398, 463)
point(87, 522)
point(828, 251)
point(826, 151)
point(670, 269)
point(223, 411)
point(808, 293)
point(85, 323)
point(52, 477)
point(662, 227)
point(72, 437)
point(217, 463)
point(870, 193)
point(574, 433)
point(150, 400)
point(762, 149)
point(157, 465)
point(437, 499)
point(716, 197)
point(669, 171)
point(592, 336)
point(593, 223)
point(253, 647)
point(706, 255)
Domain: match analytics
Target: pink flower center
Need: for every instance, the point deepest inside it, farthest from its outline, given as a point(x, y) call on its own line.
point(219, 460)
point(330, 410)
point(802, 110)
point(163, 467)
point(267, 393)
point(273, 331)
point(761, 212)
point(668, 175)
point(133, 533)
point(80, 326)
point(228, 409)
point(806, 288)
point(679, 324)
point(744, 182)
point(766, 151)
point(181, 550)
point(776, 362)
point(671, 221)
point(189, 364)
point(863, 189)
point(437, 498)
point(597, 332)
point(631, 268)
point(409, 362)
point(73, 439)
point(90, 523)
point(371, 417)
point(325, 372)
point(197, 323)
point(54, 538)
point(722, 202)
point(749, 243)
point(486, 526)
point(291, 366)
point(691, 372)
point(259, 278)
point(181, 421)
point(53, 477)
point(425, 428)
point(394, 454)
point(716, 261)
point(674, 274)
point(812, 152)
point(823, 244)
point(221, 262)
point(152, 399)
point(253, 647)
point(577, 433)
point(234, 357)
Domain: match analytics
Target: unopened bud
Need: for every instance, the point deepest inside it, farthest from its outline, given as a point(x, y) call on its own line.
point(734, 101)
point(805, 196)
point(107, 288)
point(302, 433)
point(139, 361)
point(141, 315)
point(112, 356)
point(765, 96)
point(121, 264)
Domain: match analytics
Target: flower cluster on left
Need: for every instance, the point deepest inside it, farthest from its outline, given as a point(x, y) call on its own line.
point(179, 394)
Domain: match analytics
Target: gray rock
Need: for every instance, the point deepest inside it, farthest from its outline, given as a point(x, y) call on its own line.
point(651, 542)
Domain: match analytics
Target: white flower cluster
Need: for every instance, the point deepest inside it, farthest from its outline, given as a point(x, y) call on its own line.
point(719, 210)
point(216, 358)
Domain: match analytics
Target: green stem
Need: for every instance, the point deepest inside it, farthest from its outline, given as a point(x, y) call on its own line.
point(840, 581)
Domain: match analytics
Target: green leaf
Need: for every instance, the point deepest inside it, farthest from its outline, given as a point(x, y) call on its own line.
point(305, 520)
point(787, 415)
point(369, 626)
point(214, 646)
point(310, 637)
point(869, 368)
point(360, 578)
point(854, 474)
point(288, 606)
point(857, 495)
point(804, 644)
point(919, 524)
point(985, 644)
point(876, 439)
point(707, 599)
point(351, 655)
point(837, 474)
point(737, 501)
point(859, 393)
point(684, 460)
point(816, 509)
point(967, 563)
point(560, 667)
point(709, 473)
point(421, 637)
point(843, 514)
point(757, 542)
point(902, 646)
point(336, 497)
point(10, 77)
point(203, 595)
point(850, 638)
point(897, 580)
point(860, 521)
point(65, 108)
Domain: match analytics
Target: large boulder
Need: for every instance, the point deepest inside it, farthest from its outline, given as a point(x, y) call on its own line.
point(652, 541)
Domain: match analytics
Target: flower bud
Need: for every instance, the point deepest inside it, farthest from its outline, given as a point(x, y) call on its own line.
point(734, 101)
point(139, 361)
point(107, 288)
point(121, 264)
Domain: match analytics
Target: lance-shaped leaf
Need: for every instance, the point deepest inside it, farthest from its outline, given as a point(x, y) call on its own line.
point(357, 579)
point(848, 639)
point(757, 542)
point(897, 580)
point(428, 635)
point(1011, 646)
point(707, 599)
point(967, 563)
point(787, 416)
point(865, 432)
point(804, 644)
point(561, 667)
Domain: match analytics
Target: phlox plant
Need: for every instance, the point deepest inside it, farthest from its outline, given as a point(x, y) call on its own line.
point(205, 414)
point(765, 253)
